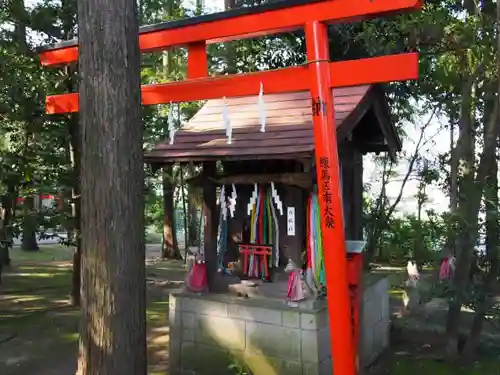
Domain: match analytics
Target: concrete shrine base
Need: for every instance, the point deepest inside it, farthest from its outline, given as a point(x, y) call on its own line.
point(209, 333)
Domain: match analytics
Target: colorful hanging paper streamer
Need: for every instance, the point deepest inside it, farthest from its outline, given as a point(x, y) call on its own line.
point(264, 229)
point(315, 249)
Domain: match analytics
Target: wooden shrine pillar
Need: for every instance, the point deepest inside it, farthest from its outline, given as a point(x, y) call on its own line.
point(352, 192)
point(210, 218)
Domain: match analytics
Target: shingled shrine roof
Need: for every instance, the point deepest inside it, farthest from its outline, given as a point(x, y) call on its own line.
point(289, 130)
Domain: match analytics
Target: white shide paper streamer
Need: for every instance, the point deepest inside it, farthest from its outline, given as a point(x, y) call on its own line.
point(262, 108)
point(170, 124)
point(227, 122)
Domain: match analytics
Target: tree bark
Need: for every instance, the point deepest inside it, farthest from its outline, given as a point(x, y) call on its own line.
point(471, 188)
point(491, 202)
point(470, 193)
point(170, 243)
point(451, 240)
point(199, 7)
point(170, 246)
point(464, 215)
point(113, 320)
point(184, 211)
point(493, 261)
point(29, 242)
point(5, 231)
point(5, 238)
point(210, 221)
point(68, 20)
point(76, 208)
point(193, 230)
point(232, 67)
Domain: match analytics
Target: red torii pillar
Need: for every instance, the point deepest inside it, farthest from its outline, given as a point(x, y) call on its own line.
point(319, 76)
point(330, 199)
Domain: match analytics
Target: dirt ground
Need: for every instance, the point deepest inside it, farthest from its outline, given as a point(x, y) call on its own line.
point(39, 331)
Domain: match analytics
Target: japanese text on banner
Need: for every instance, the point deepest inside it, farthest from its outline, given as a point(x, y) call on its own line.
point(327, 196)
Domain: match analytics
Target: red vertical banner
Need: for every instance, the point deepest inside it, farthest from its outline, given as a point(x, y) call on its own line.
point(330, 202)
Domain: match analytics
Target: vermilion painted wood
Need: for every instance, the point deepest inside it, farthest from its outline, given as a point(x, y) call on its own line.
point(327, 165)
point(373, 70)
point(197, 60)
point(252, 25)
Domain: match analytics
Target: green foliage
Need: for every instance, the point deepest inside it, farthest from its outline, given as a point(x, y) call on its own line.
point(399, 241)
point(239, 368)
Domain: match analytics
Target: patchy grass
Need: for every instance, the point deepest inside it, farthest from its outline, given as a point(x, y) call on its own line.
point(47, 253)
point(413, 364)
point(39, 330)
point(35, 318)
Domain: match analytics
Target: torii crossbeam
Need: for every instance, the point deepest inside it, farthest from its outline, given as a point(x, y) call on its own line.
point(318, 76)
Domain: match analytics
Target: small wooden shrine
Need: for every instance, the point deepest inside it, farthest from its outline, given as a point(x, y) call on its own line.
point(265, 177)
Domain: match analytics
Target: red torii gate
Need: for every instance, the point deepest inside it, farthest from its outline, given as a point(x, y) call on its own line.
point(318, 75)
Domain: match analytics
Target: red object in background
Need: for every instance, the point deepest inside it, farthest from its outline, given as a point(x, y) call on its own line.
point(42, 197)
point(20, 200)
point(318, 76)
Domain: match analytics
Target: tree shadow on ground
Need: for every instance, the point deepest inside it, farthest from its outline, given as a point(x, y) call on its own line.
point(415, 352)
point(39, 330)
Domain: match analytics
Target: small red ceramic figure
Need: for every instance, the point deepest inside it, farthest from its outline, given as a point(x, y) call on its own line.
point(196, 277)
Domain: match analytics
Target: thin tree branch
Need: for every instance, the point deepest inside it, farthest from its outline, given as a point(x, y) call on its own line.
point(413, 159)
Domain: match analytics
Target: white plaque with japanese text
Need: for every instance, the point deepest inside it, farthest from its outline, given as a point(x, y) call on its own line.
point(290, 219)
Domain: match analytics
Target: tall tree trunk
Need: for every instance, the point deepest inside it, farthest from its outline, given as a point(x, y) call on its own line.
point(492, 259)
point(464, 215)
point(76, 208)
point(453, 186)
point(491, 135)
point(199, 7)
point(113, 319)
point(30, 224)
point(471, 187)
point(170, 243)
point(418, 252)
point(29, 228)
point(68, 17)
point(231, 46)
point(5, 232)
point(184, 211)
point(170, 247)
point(21, 17)
point(193, 230)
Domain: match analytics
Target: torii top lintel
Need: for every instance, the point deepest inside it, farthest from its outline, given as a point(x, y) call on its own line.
point(271, 18)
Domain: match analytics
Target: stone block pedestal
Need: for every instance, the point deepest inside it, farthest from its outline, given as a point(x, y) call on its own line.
point(209, 333)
